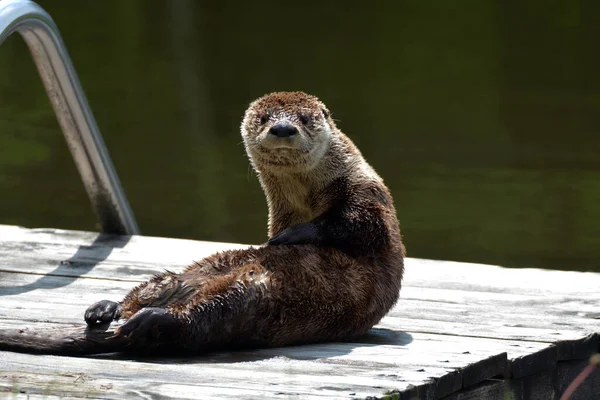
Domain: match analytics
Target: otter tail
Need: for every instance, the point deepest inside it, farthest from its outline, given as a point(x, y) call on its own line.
point(71, 341)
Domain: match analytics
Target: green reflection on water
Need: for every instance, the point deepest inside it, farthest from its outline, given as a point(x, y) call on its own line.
point(482, 117)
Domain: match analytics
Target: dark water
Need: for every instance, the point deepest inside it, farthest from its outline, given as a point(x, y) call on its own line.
point(482, 116)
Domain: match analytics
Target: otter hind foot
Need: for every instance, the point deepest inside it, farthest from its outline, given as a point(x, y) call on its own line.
point(103, 312)
point(148, 323)
point(305, 233)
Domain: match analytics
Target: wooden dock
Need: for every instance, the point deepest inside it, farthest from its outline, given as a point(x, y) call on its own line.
point(459, 331)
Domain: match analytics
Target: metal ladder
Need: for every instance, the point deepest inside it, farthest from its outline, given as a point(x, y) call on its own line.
point(72, 111)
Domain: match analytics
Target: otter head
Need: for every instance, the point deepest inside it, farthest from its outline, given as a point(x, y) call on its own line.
point(287, 132)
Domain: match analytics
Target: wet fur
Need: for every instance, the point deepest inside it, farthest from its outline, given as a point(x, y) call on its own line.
point(332, 268)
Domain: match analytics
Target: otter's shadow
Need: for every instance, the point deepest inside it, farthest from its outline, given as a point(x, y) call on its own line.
point(320, 351)
point(80, 263)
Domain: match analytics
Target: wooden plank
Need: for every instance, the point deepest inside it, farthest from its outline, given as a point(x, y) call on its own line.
point(75, 386)
point(150, 248)
point(508, 312)
point(420, 303)
point(485, 369)
point(72, 309)
point(539, 386)
point(417, 361)
point(566, 373)
point(491, 389)
point(449, 383)
point(89, 246)
point(543, 311)
point(490, 278)
point(483, 330)
point(73, 297)
point(411, 315)
point(530, 364)
point(81, 293)
point(60, 385)
point(451, 330)
point(277, 375)
point(31, 298)
point(579, 349)
point(423, 355)
point(419, 273)
point(72, 300)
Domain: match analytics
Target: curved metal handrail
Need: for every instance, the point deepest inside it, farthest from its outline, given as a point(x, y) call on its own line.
point(72, 111)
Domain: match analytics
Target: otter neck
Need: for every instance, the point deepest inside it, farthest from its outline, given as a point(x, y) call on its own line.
point(295, 196)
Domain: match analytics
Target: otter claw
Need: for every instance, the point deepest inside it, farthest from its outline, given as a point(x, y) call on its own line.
point(103, 312)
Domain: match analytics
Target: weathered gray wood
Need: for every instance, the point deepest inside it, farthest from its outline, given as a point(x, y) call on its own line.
point(529, 364)
point(252, 372)
point(418, 360)
point(539, 386)
point(72, 300)
point(491, 389)
point(82, 385)
point(490, 278)
point(582, 348)
point(420, 273)
point(486, 368)
point(450, 383)
point(457, 325)
point(566, 373)
point(143, 256)
point(540, 314)
point(450, 275)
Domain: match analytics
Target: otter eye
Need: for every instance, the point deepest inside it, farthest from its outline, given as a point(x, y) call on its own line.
point(325, 113)
point(263, 119)
point(303, 118)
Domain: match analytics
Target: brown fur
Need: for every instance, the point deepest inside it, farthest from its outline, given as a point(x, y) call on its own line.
point(332, 270)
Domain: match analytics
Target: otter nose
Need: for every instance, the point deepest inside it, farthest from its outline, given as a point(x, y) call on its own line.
point(283, 130)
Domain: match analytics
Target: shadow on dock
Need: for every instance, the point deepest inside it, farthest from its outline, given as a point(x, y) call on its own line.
point(85, 258)
point(308, 352)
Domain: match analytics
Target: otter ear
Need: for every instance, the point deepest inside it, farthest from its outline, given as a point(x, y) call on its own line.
point(325, 112)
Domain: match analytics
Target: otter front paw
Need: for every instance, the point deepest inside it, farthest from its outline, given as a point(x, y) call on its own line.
point(306, 233)
point(103, 312)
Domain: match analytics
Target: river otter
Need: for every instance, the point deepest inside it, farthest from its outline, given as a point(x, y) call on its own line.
point(331, 269)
